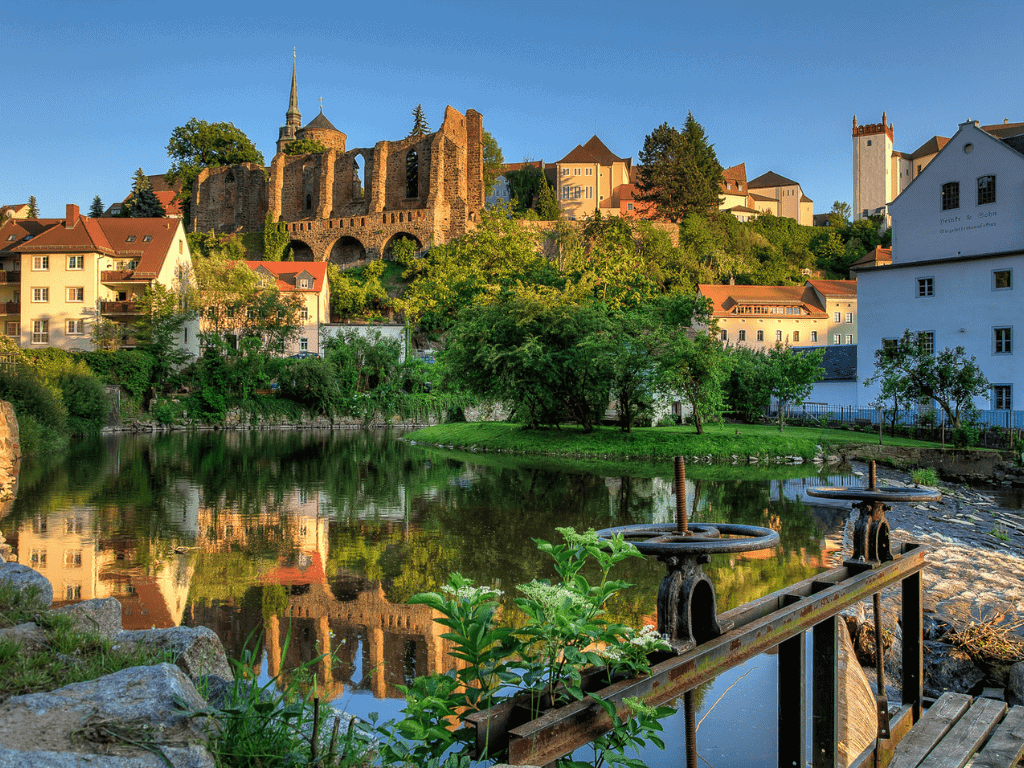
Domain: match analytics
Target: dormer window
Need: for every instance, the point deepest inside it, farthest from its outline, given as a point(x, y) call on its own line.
point(147, 238)
point(304, 282)
point(11, 237)
point(130, 239)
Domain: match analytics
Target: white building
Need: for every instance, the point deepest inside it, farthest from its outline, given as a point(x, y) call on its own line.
point(957, 269)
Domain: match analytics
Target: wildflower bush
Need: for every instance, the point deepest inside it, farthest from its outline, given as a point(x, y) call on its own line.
point(542, 662)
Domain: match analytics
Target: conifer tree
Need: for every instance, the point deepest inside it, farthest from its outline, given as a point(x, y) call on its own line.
point(142, 203)
point(419, 125)
point(33, 207)
point(96, 209)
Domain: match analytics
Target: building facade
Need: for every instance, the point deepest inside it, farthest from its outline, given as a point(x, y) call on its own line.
point(957, 262)
point(839, 298)
point(761, 316)
point(309, 282)
point(347, 205)
point(62, 276)
point(880, 173)
point(591, 178)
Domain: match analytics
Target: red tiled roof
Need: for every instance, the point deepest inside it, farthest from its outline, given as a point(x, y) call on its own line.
point(519, 166)
point(286, 273)
point(770, 179)
point(877, 256)
point(20, 229)
point(835, 287)
point(594, 151)
point(762, 197)
point(736, 173)
point(1003, 130)
point(930, 147)
point(805, 199)
point(725, 298)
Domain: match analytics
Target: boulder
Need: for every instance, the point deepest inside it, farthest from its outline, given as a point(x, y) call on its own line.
point(29, 636)
point(198, 650)
point(91, 723)
point(947, 668)
point(1015, 685)
point(24, 578)
point(100, 616)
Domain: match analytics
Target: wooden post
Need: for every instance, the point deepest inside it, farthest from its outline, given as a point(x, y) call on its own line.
point(793, 701)
point(913, 643)
point(825, 722)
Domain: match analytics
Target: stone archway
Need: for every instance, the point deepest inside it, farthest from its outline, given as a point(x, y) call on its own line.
point(300, 251)
point(347, 250)
point(385, 252)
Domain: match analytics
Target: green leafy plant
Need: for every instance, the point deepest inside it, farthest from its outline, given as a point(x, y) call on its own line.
point(925, 476)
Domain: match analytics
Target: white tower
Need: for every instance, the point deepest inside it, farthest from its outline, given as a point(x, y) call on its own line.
point(872, 168)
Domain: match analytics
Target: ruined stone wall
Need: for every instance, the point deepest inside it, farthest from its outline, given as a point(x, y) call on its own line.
point(10, 458)
point(231, 199)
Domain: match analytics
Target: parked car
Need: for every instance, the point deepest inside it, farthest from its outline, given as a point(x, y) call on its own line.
point(304, 355)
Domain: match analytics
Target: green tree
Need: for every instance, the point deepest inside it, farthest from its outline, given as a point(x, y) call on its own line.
point(790, 376)
point(142, 203)
point(160, 329)
point(33, 207)
point(304, 147)
point(96, 209)
point(199, 144)
point(275, 238)
point(493, 160)
point(839, 216)
point(525, 185)
point(679, 172)
point(951, 378)
point(547, 206)
point(419, 122)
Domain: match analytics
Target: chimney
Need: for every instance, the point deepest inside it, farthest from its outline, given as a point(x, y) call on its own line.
point(71, 216)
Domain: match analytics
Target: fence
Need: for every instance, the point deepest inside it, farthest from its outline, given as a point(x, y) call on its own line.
point(997, 429)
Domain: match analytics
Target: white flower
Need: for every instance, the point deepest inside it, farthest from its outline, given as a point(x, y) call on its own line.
point(554, 597)
point(469, 593)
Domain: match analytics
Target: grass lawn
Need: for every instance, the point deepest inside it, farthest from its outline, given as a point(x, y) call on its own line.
point(720, 441)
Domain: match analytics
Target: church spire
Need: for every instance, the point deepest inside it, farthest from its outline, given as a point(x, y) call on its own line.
point(292, 116)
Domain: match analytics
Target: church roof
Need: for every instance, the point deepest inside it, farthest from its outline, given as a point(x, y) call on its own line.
point(770, 179)
point(320, 123)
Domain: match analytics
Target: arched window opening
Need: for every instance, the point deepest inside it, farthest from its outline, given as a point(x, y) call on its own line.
point(229, 177)
point(357, 180)
point(309, 202)
point(412, 174)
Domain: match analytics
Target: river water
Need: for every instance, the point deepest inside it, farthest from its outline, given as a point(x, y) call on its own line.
point(320, 538)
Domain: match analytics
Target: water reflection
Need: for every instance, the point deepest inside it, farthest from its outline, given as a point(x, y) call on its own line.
point(314, 541)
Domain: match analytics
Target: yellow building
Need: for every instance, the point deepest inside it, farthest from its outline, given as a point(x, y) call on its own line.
point(60, 276)
point(839, 298)
point(768, 193)
point(761, 316)
point(307, 279)
point(591, 178)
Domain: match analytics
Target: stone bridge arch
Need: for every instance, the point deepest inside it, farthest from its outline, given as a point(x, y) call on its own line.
point(386, 250)
point(347, 251)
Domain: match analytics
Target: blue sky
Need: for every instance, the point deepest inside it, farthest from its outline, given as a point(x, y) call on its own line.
point(94, 89)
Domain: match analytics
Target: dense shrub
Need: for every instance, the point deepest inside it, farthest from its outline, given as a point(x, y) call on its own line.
point(126, 368)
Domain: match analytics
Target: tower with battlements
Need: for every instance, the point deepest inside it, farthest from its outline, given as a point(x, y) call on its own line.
point(873, 183)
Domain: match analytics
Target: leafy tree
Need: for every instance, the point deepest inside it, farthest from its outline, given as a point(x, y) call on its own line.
point(275, 238)
point(839, 216)
point(199, 144)
point(96, 209)
point(33, 207)
point(419, 122)
point(304, 147)
point(758, 376)
point(493, 160)
point(359, 292)
point(142, 203)
point(525, 184)
point(679, 172)
point(163, 314)
point(951, 378)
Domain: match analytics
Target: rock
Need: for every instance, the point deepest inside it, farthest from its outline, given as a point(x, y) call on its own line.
point(79, 718)
point(1015, 685)
point(24, 578)
point(29, 636)
point(102, 616)
point(198, 649)
point(947, 668)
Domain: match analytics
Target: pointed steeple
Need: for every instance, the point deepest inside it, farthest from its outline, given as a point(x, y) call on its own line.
point(292, 116)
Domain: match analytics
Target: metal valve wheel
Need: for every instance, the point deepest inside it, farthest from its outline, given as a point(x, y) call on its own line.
point(700, 538)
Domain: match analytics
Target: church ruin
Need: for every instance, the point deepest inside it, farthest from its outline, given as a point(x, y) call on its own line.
point(347, 206)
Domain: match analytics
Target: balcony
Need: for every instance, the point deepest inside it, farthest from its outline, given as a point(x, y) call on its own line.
point(8, 277)
point(117, 308)
point(10, 307)
point(116, 275)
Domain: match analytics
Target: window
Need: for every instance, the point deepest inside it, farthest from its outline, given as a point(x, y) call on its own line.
point(304, 344)
point(849, 317)
point(147, 238)
point(869, 142)
point(304, 314)
point(760, 335)
point(925, 287)
point(304, 283)
point(40, 294)
point(849, 339)
point(76, 327)
point(565, 191)
point(629, 206)
point(838, 317)
point(950, 195)
point(778, 335)
point(74, 592)
point(575, 171)
point(1002, 397)
point(13, 329)
point(11, 237)
point(814, 335)
point(926, 341)
point(590, 171)
point(76, 262)
point(130, 239)
point(412, 175)
point(1002, 279)
point(40, 263)
point(743, 336)
point(796, 335)
point(40, 331)
point(577, 192)
point(565, 171)
point(76, 294)
point(73, 558)
point(1003, 338)
point(837, 339)
point(986, 189)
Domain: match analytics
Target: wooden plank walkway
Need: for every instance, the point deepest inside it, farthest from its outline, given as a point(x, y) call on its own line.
point(956, 729)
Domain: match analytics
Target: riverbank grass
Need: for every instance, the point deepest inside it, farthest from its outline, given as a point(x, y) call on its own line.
point(720, 441)
point(63, 654)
